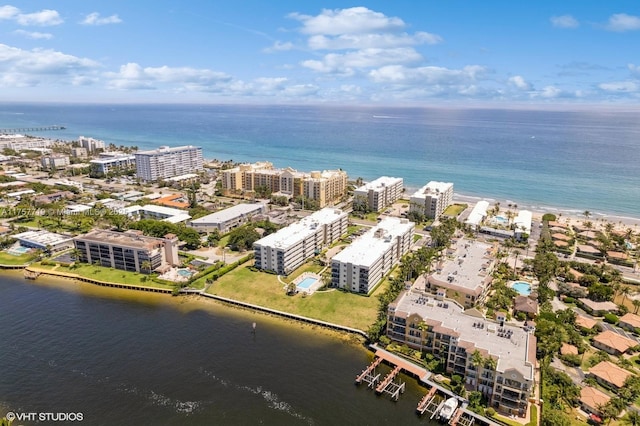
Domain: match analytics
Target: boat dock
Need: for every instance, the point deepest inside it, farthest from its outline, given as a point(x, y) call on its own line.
point(389, 386)
point(432, 402)
point(369, 375)
point(428, 404)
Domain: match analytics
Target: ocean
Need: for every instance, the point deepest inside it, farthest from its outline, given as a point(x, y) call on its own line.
point(120, 357)
point(560, 161)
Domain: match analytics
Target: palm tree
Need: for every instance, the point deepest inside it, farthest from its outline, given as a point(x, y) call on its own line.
point(636, 304)
point(515, 264)
point(625, 291)
point(477, 360)
point(145, 266)
point(586, 214)
point(423, 327)
point(631, 418)
point(75, 254)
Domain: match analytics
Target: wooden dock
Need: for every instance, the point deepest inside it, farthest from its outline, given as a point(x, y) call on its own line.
point(389, 386)
point(30, 129)
point(428, 403)
point(369, 375)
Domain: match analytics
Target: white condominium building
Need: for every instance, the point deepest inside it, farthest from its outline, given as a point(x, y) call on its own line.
point(363, 264)
point(287, 249)
point(323, 187)
point(105, 165)
point(226, 220)
point(432, 199)
point(378, 194)
point(506, 373)
point(166, 162)
point(90, 144)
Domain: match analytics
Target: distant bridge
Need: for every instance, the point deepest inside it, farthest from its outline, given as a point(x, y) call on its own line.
point(30, 129)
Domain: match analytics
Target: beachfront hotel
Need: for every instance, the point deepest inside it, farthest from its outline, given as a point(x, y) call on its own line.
point(127, 250)
point(363, 264)
point(225, 220)
point(324, 187)
point(287, 249)
point(166, 162)
point(432, 199)
point(378, 194)
point(465, 273)
point(445, 329)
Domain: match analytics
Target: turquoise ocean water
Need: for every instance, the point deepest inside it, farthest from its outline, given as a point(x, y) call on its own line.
point(569, 160)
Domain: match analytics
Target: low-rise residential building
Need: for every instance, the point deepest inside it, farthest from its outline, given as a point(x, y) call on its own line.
point(592, 400)
point(79, 152)
point(505, 372)
point(613, 343)
point(287, 249)
point(361, 266)
point(630, 321)
point(585, 323)
point(522, 224)
point(597, 308)
point(432, 199)
point(106, 165)
point(54, 162)
point(225, 220)
point(609, 375)
point(378, 194)
point(465, 274)
point(477, 215)
point(149, 211)
point(526, 305)
point(129, 251)
point(44, 240)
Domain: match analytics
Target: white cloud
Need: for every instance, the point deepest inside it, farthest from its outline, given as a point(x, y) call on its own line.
point(279, 46)
point(361, 41)
point(34, 35)
point(431, 75)
point(564, 21)
point(348, 63)
point(95, 19)
point(33, 67)
point(519, 82)
point(622, 22)
point(44, 18)
point(133, 76)
point(355, 20)
point(9, 12)
point(620, 86)
point(635, 69)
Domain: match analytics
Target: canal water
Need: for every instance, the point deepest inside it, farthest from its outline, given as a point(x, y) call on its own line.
point(121, 357)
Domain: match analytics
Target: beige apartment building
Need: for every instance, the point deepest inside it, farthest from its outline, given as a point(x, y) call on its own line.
point(324, 187)
point(506, 372)
point(432, 199)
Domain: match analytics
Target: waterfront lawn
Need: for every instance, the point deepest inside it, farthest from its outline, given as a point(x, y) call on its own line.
point(454, 210)
point(261, 288)
point(9, 259)
point(106, 274)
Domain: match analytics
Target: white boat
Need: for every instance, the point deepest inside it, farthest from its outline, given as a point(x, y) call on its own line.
point(448, 409)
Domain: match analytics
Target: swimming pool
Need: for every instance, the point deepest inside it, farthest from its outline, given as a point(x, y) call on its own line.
point(522, 287)
point(307, 283)
point(185, 273)
point(18, 251)
point(500, 220)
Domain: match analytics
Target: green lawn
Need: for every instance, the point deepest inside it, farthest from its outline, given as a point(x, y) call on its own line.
point(106, 274)
point(9, 259)
point(263, 289)
point(454, 210)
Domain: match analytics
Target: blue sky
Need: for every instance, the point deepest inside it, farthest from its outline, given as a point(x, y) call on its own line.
point(397, 52)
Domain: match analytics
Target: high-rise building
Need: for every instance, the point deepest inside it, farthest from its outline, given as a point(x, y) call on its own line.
point(166, 162)
point(378, 194)
point(287, 249)
point(90, 144)
point(432, 199)
point(363, 264)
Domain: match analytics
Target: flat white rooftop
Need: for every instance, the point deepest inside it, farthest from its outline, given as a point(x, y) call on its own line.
point(228, 214)
point(42, 237)
point(170, 214)
point(381, 182)
point(432, 189)
point(296, 232)
point(367, 249)
point(166, 150)
point(510, 344)
point(466, 265)
point(478, 213)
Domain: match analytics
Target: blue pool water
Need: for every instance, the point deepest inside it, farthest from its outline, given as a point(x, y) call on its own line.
point(524, 288)
point(184, 273)
point(307, 283)
point(17, 251)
